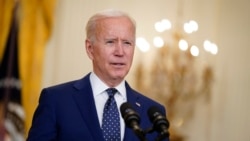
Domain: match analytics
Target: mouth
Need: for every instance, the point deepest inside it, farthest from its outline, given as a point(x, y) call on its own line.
point(118, 64)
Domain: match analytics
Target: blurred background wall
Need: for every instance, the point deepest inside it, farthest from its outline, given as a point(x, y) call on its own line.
point(226, 116)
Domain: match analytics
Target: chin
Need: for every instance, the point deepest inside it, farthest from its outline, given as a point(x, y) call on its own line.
point(119, 76)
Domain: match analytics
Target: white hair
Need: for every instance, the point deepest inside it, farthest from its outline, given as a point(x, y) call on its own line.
point(109, 13)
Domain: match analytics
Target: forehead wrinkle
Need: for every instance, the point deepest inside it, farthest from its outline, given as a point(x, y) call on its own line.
point(103, 26)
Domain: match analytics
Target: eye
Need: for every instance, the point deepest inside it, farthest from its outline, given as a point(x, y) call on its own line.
point(109, 42)
point(127, 43)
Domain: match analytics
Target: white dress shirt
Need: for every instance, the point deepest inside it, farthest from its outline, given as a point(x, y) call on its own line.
point(101, 96)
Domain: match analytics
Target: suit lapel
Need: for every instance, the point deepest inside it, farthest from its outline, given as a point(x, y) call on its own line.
point(134, 100)
point(85, 101)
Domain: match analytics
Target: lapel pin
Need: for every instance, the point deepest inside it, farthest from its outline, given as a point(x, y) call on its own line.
point(138, 104)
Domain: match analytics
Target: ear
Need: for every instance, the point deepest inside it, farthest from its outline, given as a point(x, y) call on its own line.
point(89, 48)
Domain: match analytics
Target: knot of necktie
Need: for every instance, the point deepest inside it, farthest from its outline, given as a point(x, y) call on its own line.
point(111, 91)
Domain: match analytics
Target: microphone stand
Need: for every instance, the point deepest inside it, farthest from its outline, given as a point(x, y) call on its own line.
point(162, 135)
point(140, 134)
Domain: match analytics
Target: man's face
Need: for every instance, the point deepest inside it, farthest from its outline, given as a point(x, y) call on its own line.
point(112, 51)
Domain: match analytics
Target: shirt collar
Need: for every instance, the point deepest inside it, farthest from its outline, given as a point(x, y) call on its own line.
point(98, 86)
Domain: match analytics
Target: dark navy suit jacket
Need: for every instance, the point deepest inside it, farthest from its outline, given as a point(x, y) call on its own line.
point(67, 112)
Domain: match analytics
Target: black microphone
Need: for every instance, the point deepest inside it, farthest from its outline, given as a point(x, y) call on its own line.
point(132, 119)
point(160, 123)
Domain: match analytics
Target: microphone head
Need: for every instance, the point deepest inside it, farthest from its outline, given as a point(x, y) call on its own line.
point(160, 123)
point(129, 115)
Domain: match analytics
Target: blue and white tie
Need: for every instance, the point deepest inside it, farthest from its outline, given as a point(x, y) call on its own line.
point(111, 119)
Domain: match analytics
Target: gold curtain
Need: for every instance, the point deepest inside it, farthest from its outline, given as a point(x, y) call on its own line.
point(6, 7)
point(35, 24)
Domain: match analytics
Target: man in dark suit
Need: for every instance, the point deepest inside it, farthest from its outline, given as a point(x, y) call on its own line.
point(73, 111)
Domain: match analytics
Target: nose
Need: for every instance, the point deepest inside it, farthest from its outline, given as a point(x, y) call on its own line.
point(119, 50)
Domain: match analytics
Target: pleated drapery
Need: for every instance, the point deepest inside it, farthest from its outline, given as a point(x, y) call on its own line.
point(35, 22)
